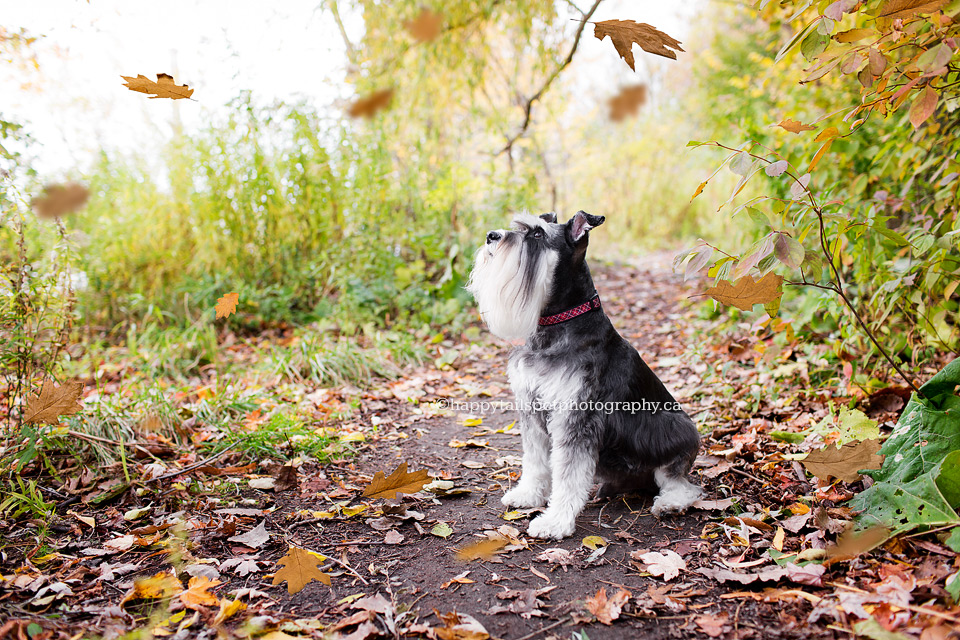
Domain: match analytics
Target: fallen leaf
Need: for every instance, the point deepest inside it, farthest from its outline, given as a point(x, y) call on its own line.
point(627, 102)
point(227, 305)
point(197, 593)
point(426, 26)
point(60, 199)
point(53, 402)
point(624, 33)
point(164, 87)
point(853, 544)
point(255, 538)
point(482, 549)
point(160, 585)
point(442, 530)
point(393, 537)
point(286, 478)
point(667, 564)
point(300, 567)
point(747, 291)
point(241, 566)
point(458, 626)
point(592, 542)
point(606, 610)
point(795, 127)
point(228, 608)
point(713, 505)
point(368, 106)
point(713, 626)
point(396, 483)
point(557, 556)
point(844, 463)
point(458, 579)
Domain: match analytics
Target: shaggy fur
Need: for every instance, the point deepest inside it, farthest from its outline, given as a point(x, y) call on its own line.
point(566, 375)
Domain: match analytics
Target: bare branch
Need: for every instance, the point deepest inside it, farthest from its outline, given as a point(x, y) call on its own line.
point(528, 107)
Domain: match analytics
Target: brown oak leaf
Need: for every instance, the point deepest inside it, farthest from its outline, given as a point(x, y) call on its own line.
point(627, 102)
point(369, 105)
point(53, 402)
point(844, 463)
point(396, 483)
point(227, 304)
point(794, 126)
point(747, 291)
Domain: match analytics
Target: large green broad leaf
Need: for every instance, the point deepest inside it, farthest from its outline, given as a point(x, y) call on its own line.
point(919, 482)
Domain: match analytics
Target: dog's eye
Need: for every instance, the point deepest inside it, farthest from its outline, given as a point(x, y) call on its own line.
point(537, 233)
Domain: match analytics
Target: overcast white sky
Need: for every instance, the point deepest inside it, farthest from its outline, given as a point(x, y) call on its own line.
point(283, 50)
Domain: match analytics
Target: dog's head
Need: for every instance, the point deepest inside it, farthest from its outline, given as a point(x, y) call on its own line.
point(514, 271)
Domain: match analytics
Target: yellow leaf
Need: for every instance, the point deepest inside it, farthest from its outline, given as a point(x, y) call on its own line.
point(90, 522)
point(426, 26)
point(778, 538)
point(472, 422)
point(396, 483)
point(513, 515)
point(624, 33)
point(853, 35)
point(369, 105)
point(164, 87)
point(747, 291)
point(198, 593)
point(228, 608)
point(300, 567)
point(699, 190)
point(827, 134)
point(227, 304)
point(53, 402)
point(353, 436)
point(352, 511)
point(161, 585)
point(592, 542)
point(798, 508)
point(820, 153)
point(481, 550)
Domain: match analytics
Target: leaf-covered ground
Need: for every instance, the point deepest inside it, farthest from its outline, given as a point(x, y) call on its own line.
point(207, 550)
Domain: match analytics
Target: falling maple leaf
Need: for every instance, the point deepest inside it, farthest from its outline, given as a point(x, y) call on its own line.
point(623, 33)
point(793, 126)
point(197, 594)
point(844, 463)
point(606, 610)
point(627, 102)
point(426, 26)
point(227, 305)
point(397, 482)
point(370, 104)
point(482, 549)
point(164, 87)
point(160, 585)
point(60, 199)
point(53, 402)
point(747, 291)
point(300, 567)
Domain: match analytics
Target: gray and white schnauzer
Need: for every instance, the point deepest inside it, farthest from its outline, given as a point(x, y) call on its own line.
point(589, 405)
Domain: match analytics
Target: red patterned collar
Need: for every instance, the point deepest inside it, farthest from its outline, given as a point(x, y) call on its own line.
point(570, 314)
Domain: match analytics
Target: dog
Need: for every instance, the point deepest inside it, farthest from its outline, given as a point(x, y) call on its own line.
point(590, 408)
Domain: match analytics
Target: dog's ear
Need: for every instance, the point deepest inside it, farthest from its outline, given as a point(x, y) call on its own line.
point(581, 223)
point(549, 217)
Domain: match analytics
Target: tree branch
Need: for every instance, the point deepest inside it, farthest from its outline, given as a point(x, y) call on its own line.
point(528, 108)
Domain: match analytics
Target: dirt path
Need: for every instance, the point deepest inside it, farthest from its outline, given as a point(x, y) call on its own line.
point(536, 597)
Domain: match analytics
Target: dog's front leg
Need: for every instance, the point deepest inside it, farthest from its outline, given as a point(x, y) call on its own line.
point(573, 462)
point(533, 489)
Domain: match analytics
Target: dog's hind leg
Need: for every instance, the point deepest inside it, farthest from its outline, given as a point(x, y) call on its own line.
point(533, 489)
point(676, 491)
point(573, 464)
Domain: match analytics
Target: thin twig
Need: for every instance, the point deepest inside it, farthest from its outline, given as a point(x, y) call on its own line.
point(556, 624)
point(528, 108)
point(195, 465)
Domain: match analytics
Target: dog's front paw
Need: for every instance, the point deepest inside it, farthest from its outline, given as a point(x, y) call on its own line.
point(675, 501)
point(549, 525)
point(524, 498)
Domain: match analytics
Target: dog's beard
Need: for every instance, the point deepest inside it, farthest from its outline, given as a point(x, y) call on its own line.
point(510, 283)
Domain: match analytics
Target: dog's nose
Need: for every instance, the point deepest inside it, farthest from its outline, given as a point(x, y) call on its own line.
point(493, 236)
